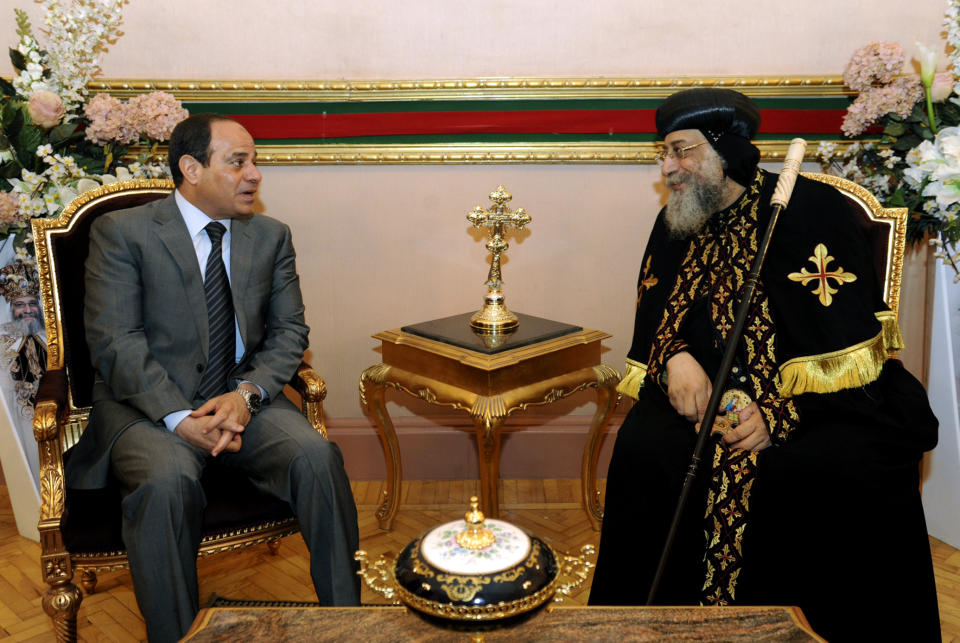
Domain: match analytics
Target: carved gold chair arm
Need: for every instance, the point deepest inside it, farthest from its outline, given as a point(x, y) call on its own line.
point(312, 390)
point(51, 404)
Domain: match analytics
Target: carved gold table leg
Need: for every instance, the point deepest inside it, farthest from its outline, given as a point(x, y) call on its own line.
point(607, 400)
point(372, 383)
point(488, 414)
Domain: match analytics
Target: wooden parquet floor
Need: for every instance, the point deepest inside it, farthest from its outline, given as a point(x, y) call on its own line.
point(550, 508)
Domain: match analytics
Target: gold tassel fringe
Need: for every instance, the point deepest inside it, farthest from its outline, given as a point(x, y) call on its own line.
point(891, 331)
point(632, 379)
point(850, 367)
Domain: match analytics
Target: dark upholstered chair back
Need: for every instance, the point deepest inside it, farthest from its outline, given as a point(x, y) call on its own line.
point(62, 247)
point(885, 229)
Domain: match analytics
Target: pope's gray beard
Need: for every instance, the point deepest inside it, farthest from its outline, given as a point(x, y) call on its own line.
point(689, 209)
point(29, 326)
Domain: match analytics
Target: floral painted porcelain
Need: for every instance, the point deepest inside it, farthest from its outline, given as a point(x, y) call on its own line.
point(471, 570)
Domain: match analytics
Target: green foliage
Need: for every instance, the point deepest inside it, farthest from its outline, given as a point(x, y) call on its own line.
point(23, 23)
point(6, 88)
point(9, 110)
point(921, 226)
point(92, 160)
point(17, 60)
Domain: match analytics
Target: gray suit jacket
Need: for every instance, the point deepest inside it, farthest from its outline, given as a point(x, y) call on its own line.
point(146, 321)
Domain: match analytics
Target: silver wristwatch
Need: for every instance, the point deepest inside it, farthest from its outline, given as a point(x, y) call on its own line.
point(252, 399)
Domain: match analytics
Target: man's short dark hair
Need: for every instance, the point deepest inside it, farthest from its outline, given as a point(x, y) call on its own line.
point(191, 137)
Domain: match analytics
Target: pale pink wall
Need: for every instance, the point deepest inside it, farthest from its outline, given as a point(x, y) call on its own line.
point(385, 246)
point(320, 39)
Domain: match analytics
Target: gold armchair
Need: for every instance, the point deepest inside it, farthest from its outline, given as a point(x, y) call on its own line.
point(886, 233)
point(80, 530)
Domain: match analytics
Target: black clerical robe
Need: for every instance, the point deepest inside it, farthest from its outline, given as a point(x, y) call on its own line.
point(828, 517)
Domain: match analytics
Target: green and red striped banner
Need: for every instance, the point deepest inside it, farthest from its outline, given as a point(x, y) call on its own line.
point(501, 121)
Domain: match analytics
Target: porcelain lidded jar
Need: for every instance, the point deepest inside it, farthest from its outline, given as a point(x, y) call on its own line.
point(474, 569)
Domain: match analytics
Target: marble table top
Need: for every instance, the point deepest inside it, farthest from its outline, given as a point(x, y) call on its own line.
point(548, 625)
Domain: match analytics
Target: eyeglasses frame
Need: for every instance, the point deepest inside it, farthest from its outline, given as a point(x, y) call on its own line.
point(679, 153)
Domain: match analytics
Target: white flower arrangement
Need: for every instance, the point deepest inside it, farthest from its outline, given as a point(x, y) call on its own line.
point(78, 33)
point(917, 161)
point(57, 142)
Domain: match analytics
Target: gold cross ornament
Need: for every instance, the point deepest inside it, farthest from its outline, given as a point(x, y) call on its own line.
point(494, 317)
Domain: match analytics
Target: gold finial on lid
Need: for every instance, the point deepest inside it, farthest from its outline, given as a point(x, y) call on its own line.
point(475, 536)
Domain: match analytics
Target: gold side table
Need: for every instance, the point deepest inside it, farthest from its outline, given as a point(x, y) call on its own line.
point(444, 363)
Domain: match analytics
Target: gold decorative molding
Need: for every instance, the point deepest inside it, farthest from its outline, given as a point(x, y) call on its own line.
point(490, 154)
point(494, 611)
point(440, 395)
point(51, 494)
point(109, 561)
point(489, 408)
point(494, 154)
point(576, 568)
point(468, 88)
point(378, 575)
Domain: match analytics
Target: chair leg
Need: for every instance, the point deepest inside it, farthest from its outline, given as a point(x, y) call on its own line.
point(61, 602)
point(88, 580)
point(274, 547)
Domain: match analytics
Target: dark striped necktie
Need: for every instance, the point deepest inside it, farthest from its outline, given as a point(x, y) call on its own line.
point(223, 341)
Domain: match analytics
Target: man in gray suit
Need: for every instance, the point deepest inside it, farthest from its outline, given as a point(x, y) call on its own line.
point(163, 406)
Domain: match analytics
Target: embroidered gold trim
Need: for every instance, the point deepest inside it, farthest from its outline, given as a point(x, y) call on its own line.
point(649, 281)
point(632, 379)
point(850, 367)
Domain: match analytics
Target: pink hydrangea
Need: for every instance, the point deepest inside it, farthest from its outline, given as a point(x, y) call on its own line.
point(156, 114)
point(110, 121)
point(9, 208)
point(898, 98)
point(876, 63)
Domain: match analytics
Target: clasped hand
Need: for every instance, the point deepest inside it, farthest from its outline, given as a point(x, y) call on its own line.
point(689, 388)
point(216, 426)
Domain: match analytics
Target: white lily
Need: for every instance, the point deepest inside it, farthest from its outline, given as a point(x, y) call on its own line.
point(914, 176)
point(928, 68)
point(946, 193)
point(85, 185)
point(949, 147)
point(66, 196)
point(928, 63)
